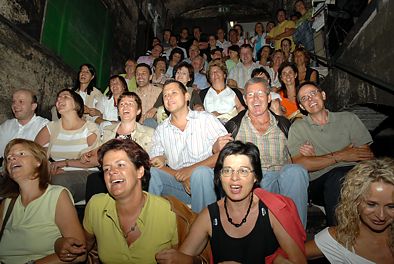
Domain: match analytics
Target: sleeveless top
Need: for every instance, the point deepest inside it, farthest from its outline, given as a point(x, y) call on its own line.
point(252, 248)
point(31, 231)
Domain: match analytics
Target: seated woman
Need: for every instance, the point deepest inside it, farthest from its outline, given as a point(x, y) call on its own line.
point(176, 56)
point(264, 55)
point(40, 212)
point(277, 59)
point(233, 52)
point(249, 225)
point(159, 76)
point(85, 87)
point(66, 139)
point(108, 104)
point(138, 224)
point(305, 73)
point(365, 214)
point(285, 46)
point(219, 99)
point(129, 107)
point(288, 77)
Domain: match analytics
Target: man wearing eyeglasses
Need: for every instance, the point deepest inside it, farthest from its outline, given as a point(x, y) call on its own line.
point(269, 133)
point(328, 144)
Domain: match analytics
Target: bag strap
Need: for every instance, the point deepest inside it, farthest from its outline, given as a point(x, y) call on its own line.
point(7, 215)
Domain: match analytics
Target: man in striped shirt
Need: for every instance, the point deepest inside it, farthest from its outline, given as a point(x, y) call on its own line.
point(182, 150)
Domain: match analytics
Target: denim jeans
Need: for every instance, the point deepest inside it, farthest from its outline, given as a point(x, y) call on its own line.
point(291, 181)
point(201, 186)
point(304, 35)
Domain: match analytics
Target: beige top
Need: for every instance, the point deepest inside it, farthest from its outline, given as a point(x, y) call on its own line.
point(142, 135)
point(148, 96)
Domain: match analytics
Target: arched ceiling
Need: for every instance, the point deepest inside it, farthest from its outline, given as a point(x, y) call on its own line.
point(232, 9)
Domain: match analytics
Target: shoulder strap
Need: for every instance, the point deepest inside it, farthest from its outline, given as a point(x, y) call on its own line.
point(7, 215)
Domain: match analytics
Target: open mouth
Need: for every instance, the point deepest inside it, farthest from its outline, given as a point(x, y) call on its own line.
point(117, 181)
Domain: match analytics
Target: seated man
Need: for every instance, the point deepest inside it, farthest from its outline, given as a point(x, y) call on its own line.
point(241, 72)
point(328, 145)
point(184, 142)
point(25, 123)
point(269, 133)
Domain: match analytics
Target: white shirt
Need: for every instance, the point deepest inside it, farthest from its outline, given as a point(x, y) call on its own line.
point(223, 103)
point(194, 144)
point(241, 74)
point(335, 252)
point(11, 129)
point(108, 108)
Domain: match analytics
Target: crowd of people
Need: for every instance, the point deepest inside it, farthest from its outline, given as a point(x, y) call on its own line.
point(236, 129)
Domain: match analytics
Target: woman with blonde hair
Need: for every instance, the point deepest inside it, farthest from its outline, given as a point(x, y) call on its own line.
point(365, 230)
point(39, 213)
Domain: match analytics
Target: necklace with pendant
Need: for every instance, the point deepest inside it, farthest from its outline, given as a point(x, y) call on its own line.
point(132, 228)
point(230, 220)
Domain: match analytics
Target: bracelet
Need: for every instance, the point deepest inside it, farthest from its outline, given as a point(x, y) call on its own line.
point(332, 155)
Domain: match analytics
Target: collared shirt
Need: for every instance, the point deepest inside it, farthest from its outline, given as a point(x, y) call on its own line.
point(200, 80)
point(223, 102)
point(148, 96)
point(272, 144)
point(156, 222)
point(341, 130)
point(279, 29)
point(194, 144)
point(241, 74)
point(11, 129)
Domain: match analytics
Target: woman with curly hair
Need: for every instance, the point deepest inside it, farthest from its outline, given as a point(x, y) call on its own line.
point(365, 230)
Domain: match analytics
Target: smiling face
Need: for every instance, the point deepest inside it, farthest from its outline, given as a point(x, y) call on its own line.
point(65, 102)
point(156, 51)
point(281, 16)
point(277, 58)
point(85, 76)
point(174, 98)
point(130, 67)
point(237, 186)
point(142, 76)
point(116, 87)
point(128, 108)
point(259, 28)
point(377, 208)
point(299, 58)
point(121, 177)
point(21, 165)
point(311, 99)
point(285, 45)
point(257, 98)
point(265, 53)
point(23, 106)
point(216, 75)
point(246, 55)
point(288, 76)
point(182, 75)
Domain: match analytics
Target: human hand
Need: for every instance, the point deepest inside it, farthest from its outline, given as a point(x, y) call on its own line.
point(56, 167)
point(150, 113)
point(221, 142)
point(86, 157)
point(307, 149)
point(69, 248)
point(94, 112)
point(351, 153)
point(184, 173)
point(276, 107)
point(172, 256)
point(186, 186)
point(198, 107)
point(158, 161)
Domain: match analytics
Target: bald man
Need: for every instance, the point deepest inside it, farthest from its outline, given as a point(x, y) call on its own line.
point(25, 123)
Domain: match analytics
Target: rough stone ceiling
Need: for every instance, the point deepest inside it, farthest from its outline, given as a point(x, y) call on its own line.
point(232, 9)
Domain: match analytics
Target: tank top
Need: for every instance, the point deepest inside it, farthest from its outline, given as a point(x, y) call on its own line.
point(252, 248)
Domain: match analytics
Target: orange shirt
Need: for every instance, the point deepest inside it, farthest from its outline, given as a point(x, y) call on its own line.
point(290, 106)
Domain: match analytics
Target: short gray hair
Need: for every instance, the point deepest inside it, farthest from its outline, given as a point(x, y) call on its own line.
point(256, 80)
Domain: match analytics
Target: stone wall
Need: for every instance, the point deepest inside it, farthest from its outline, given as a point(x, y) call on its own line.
point(24, 63)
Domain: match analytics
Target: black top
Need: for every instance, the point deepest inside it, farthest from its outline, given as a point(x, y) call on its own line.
point(253, 248)
point(308, 74)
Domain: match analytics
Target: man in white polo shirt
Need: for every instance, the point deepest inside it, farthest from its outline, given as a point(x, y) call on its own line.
point(25, 124)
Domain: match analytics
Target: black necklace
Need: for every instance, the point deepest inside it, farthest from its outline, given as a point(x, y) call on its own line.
point(230, 220)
